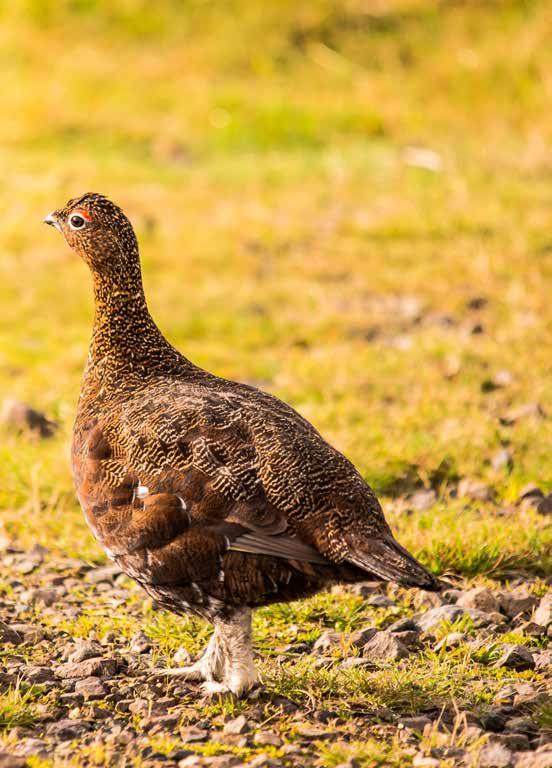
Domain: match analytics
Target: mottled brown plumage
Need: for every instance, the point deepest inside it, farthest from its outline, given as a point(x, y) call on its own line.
point(216, 497)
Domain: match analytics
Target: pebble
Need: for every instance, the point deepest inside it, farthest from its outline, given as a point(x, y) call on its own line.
point(517, 657)
point(474, 489)
point(96, 667)
point(433, 618)
point(86, 649)
point(384, 646)
point(480, 598)
point(236, 726)
point(422, 500)
point(543, 614)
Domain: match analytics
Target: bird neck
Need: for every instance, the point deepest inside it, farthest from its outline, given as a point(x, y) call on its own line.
point(125, 337)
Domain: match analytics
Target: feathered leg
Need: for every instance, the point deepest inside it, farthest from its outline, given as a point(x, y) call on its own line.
point(227, 663)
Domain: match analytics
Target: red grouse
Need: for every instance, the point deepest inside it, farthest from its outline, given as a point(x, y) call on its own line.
point(214, 496)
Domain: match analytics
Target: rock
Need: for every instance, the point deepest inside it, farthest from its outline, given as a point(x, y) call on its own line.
point(267, 739)
point(107, 573)
point(379, 601)
point(11, 761)
point(502, 459)
point(516, 602)
point(543, 660)
point(433, 618)
point(29, 632)
point(32, 748)
point(480, 598)
point(474, 489)
point(495, 756)
point(543, 614)
point(21, 416)
point(520, 725)
point(90, 688)
point(327, 640)
point(535, 760)
point(193, 735)
point(544, 507)
point(384, 646)
point(9, 635)
point(360, 637)
point(236, 726)
point(532, 629)
point(422, 500)
point(417, 723)
point(85, 649)
point(515, 742)
point(452, 640)
point(515, 657)
point(525, 411)
point(140, 643)
point(530, 496)
point(67, 729)
point(38, 675)
point(403, 625)
point(45, 597)
point(96, 667)
point(484, 619)
point(422, 761)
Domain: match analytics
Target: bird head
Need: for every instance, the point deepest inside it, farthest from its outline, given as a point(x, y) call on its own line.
point(99, 232)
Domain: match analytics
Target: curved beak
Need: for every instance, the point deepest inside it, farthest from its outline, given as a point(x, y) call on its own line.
point(52, 221)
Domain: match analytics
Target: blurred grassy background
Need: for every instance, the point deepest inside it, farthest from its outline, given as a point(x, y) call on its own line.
point(347, 203)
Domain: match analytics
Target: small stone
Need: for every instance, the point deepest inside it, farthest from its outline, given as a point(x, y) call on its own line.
point(45, 597)
point(21, 416)
point(433, 618)
point(38, 675)
point(495, 756)
point(236, 726)
point(502, 459)
point(422, 500)
point(385, 646)
point(97, 667)
point(312, 732)
point(140, 643)
point(515, 657)
point(513, 603)
point(107, 573)
point(544, 507)
point(452, 640)
point(515, 742)
point(519, 412)
point(379, 601)
point(193, 735)
point(90, 688)
point(480, 598)
point(9, 635)
point(535, 759)
point(417, 723)
point(67, 729)
point(85, 649)
point(423, 761)
point(532, 629)
point(328, 640)
point(543, 660)
point(474, 489)
point(360, 637)
point(29, 632)
point(267, 739)
point(520, 725)
point(11, 761)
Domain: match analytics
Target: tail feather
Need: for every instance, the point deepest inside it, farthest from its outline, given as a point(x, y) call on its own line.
point(386, 559)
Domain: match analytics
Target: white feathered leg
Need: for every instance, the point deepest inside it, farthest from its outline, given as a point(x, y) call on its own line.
point(227, 663)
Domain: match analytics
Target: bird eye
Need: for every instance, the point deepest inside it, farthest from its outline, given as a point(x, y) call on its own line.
point(76, 221)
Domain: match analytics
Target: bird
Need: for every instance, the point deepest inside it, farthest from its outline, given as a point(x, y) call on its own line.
point(216, 497)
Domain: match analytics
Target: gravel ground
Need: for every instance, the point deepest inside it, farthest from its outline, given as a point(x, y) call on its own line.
point(82, 694)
